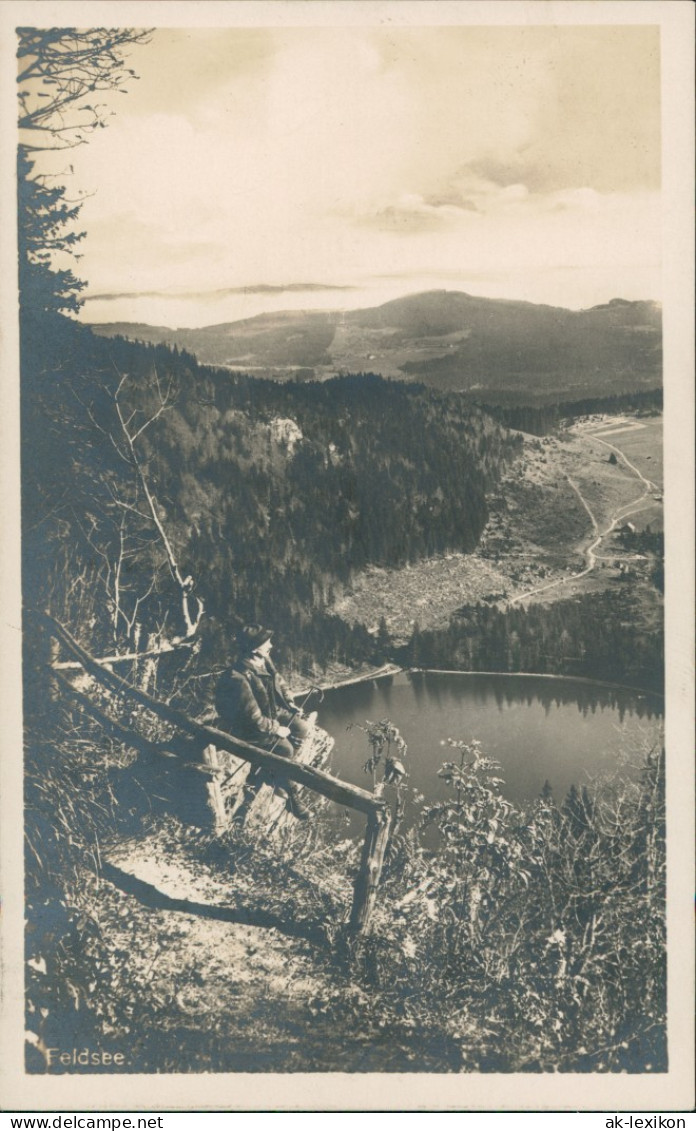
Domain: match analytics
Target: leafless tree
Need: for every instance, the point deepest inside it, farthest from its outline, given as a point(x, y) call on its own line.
point(191, 605)
point(129, 522)
point(62, 72)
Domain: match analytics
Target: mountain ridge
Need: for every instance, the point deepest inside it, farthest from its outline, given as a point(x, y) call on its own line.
point(313, 311)
point(450, 340)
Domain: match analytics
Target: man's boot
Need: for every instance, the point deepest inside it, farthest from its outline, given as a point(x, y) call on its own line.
point(293, 803)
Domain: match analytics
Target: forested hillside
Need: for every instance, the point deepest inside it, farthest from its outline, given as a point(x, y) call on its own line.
point(540, 417)
point(273, 496)
point(601, 636)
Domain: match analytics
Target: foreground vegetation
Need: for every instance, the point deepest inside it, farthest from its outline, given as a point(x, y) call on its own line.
point(522, 938)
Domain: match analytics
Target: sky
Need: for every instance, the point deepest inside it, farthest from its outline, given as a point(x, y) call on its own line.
point(254, 169)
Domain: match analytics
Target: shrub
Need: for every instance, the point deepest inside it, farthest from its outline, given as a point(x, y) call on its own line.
point(533, 938)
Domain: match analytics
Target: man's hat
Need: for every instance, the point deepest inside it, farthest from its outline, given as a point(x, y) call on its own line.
point(251, 637)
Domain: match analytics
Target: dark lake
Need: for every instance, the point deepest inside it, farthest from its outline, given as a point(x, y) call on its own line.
point(561, 730)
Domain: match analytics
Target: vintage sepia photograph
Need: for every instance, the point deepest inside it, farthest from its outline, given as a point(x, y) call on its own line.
point(342, 457)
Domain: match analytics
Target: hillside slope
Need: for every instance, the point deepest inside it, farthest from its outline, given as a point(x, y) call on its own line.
point(446, 339)
point(274, 495)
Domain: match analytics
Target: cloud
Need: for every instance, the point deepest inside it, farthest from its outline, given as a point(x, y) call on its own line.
point(409, 215)
point(323, 153)
point(451, 198)
point(284, 288)
point(222, 292)
point(188, 70)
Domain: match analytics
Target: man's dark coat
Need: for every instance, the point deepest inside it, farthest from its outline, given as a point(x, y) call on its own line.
point(253, 704)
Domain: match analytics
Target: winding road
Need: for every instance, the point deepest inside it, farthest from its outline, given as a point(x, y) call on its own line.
point(622, 513)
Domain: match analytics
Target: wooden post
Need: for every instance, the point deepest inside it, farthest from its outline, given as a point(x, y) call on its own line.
point(215, 799)
point(367, 881)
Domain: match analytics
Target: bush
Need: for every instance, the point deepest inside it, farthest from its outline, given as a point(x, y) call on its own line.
point(534, 939)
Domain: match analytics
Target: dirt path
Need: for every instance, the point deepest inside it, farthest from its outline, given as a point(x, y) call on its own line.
point(230, 970)
point(622, 513)
point(229, 958)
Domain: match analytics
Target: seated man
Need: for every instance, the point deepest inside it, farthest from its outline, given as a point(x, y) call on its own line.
point(255, 704)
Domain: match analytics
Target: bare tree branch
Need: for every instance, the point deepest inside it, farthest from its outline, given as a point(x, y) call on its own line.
point(62, 69)
point(186, 584)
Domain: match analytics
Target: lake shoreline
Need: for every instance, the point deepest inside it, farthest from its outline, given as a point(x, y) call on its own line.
point(542, 675)
point(364, 677)
point(394, 669)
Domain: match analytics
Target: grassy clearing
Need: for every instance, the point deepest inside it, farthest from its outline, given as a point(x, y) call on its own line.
point(427, 592)
point(538, 531)
point(643, 446)
point(536, 523)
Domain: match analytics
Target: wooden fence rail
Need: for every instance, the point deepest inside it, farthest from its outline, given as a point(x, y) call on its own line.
point(343, 793)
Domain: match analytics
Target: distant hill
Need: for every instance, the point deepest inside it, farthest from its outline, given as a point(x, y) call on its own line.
point(495, 348)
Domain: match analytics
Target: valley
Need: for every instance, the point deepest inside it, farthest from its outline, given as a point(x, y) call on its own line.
point(552, 531)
